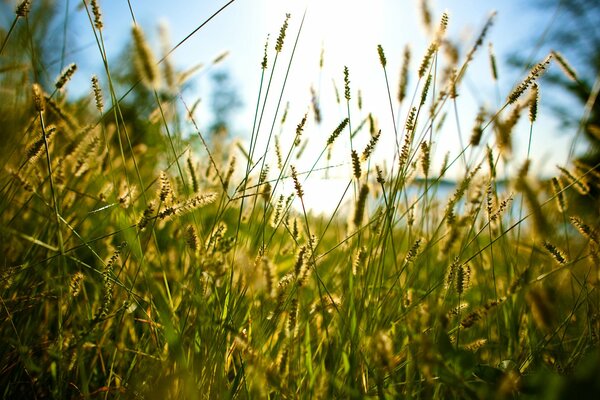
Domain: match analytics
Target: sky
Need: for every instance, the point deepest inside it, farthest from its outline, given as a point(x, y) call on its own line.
point(347, 33)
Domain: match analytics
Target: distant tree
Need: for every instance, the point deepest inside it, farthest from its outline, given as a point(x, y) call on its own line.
point(223, 102)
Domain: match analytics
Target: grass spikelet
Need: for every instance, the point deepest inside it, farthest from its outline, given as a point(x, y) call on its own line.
point(97, 15)
point(282, 286)
point(337, 131)
point(490, 162)
point(269, 275)
point(189, 205)
point(585, 230)
point(264, 63)
point(229, 174)
point(405, 151)
point(166, 189)
point(534, 74)
point(359, 211)
point(144, 61)
point(276, 216)
point(493, 66)
point(410, 120)
point(84, 155)
point(65, 76)
point(282, 31)
point(38, 97)
point(300, 261)
point(192, 173)
point(355, 164)
point(126, 195)
point(107, 289)
point(413, 251)
point(443, 26)
point(451, 275)
point(299, 130)
point(382, 59)
point(346, 83)
point(463, 277)
point(533, 102)
point(146, 215)
point(425, 15)
point(293, 317)
point(566, 68)
point(404, 74)
point(458, 194)
point(425, 158)
point(425, 91)
point(75, 284)
point(97, 94)
point(191, 238)
point(556, 254)
point(478, 127)
point(370, 146)
point(35, 149)
point(475, 345)
point(503, 206)
point(314, 101)
point(380, 177)
point(561, 199)
point(297, 185)
point(23, 8)
point(427, 58)
point(359, 261)
point(579, 185)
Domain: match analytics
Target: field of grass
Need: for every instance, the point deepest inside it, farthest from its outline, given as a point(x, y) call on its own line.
point(145, 258)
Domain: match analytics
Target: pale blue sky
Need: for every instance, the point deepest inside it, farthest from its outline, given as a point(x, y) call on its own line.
point(349, 31)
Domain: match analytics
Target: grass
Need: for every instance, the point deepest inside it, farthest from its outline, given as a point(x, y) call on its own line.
point(141, 262)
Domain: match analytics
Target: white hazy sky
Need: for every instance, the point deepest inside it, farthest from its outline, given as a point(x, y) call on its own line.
point(349, 31)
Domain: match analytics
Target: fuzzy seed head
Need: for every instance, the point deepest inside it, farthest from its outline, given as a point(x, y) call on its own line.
point(97, 93)
point(337, 131)
point(23, 8)
point(65, 76)
point(355, 164)
point(144, 59)
point(346, 83)
point(297, 185)
point(97, 14)
point(533, 102)
point(404, 74)
point(281, 37)
point(38, 98)
point(382, 58)
point(565, 66)
point(359, 211)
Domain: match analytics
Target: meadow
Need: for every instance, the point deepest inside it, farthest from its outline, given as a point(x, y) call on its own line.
point(143, 257)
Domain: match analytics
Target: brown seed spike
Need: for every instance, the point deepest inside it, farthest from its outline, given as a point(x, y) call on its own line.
point(144, 59)
point(382, 58)
point(281, 38)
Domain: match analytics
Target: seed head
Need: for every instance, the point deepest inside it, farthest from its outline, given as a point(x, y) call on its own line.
point(97, 15)
point(355, 164)
point(38, 98)
point(382, 59)
point(144, 59)
point(346, 83)
point(65, 76)
point(97, 93)
point(281, 38)
point(23, 8)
